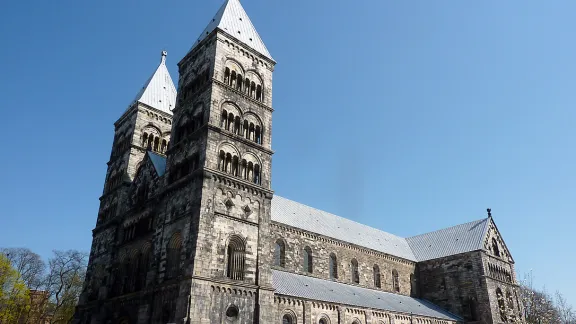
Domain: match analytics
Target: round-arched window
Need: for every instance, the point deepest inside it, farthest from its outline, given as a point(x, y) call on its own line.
point(287, 319)
point(322, 321)
point(232, 313)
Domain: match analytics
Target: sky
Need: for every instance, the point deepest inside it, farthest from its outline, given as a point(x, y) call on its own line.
point(409, 116)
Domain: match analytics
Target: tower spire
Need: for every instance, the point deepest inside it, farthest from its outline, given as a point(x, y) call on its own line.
point(232, 19)
point(159, 91)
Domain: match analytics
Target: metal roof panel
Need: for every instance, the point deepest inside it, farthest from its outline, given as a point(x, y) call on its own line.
point(232, 19)
point(291, 284)
point(159, 91)
point(449, 241)
point(297, 215)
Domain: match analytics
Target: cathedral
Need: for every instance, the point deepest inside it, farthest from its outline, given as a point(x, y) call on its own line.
point(189, 229)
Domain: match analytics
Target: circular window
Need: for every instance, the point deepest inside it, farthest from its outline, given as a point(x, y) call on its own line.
point(232, 312)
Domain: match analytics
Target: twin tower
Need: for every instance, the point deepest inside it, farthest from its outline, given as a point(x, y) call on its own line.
point(187, 195)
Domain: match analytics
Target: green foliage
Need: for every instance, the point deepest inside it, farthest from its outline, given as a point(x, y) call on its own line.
point(14, 295)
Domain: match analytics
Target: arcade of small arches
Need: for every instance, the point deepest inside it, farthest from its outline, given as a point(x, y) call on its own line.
point(247, 129)
point(153, 142)
point(250, 87)
point(499, 273)
point(244, 168)
point(307, 265)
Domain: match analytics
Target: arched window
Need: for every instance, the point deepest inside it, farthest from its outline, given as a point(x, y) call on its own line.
point(495, 248)
point(259, 93)
point(239, 82)
point(232, 313)
point(287, 319)
point(509, 299)
point(280, 254)
point(307, 259)
point(376, 271)
point(222, 161)
point(237, 125)
point(501, 304)
point(257, 177)
point(173, 256)
point(333, 266)
point(323, 321)
point(227, 75)
point(258, 136)
point(235, 257)
point(395, 281)
point(223, 119)
point(354, 271)
point(144, 139)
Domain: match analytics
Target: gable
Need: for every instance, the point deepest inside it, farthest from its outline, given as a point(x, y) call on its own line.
point(493, 243)
point(145, 182)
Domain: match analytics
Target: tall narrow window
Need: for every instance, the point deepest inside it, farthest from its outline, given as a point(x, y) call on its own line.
point(501, 304)
point(333, 266)
point(376, 271)
point(280, 254)
point(308, 259)
point(495, 248)
point(173, 256)
point(236, 256)
point(395, 281)
point(354, 271)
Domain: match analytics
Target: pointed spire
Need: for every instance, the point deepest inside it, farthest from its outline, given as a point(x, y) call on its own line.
point(159, 91)
point(232, 19)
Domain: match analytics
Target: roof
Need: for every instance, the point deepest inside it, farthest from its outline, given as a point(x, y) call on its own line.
point(159, 91)
point(232, 19)
point(449, 241)
point(159, 163)
point(297, 215)
point(291, 284)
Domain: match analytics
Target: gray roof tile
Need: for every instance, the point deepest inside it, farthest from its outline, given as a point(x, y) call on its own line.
point(159, 163)
point(291, 284)
point(297, 215)
point(449, 241)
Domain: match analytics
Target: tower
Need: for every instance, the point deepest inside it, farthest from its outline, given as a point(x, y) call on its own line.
point(219, 174)
point(145, 125)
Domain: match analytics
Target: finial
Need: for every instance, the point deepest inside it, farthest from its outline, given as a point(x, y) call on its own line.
point(489, 212)
point(163, 59)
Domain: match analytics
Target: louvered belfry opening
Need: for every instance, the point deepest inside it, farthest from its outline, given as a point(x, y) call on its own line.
point(236, 257)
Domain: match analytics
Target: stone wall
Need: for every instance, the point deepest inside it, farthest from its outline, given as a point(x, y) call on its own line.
point(296, 240)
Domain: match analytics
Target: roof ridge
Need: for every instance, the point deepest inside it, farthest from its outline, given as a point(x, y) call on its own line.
point(447, 228)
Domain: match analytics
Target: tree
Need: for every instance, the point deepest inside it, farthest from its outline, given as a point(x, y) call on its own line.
point(539, 307)
point(66, 272)
point(14, 295)
point(565, 310)
point(28, 264)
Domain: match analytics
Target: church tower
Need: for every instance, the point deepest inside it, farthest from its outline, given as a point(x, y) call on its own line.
point(145, 125)
point(219, 173)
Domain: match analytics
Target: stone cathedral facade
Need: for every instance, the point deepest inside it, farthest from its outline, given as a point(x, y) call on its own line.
point(189, 229)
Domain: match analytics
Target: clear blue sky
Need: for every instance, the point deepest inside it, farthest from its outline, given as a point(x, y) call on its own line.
point(409, 116)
